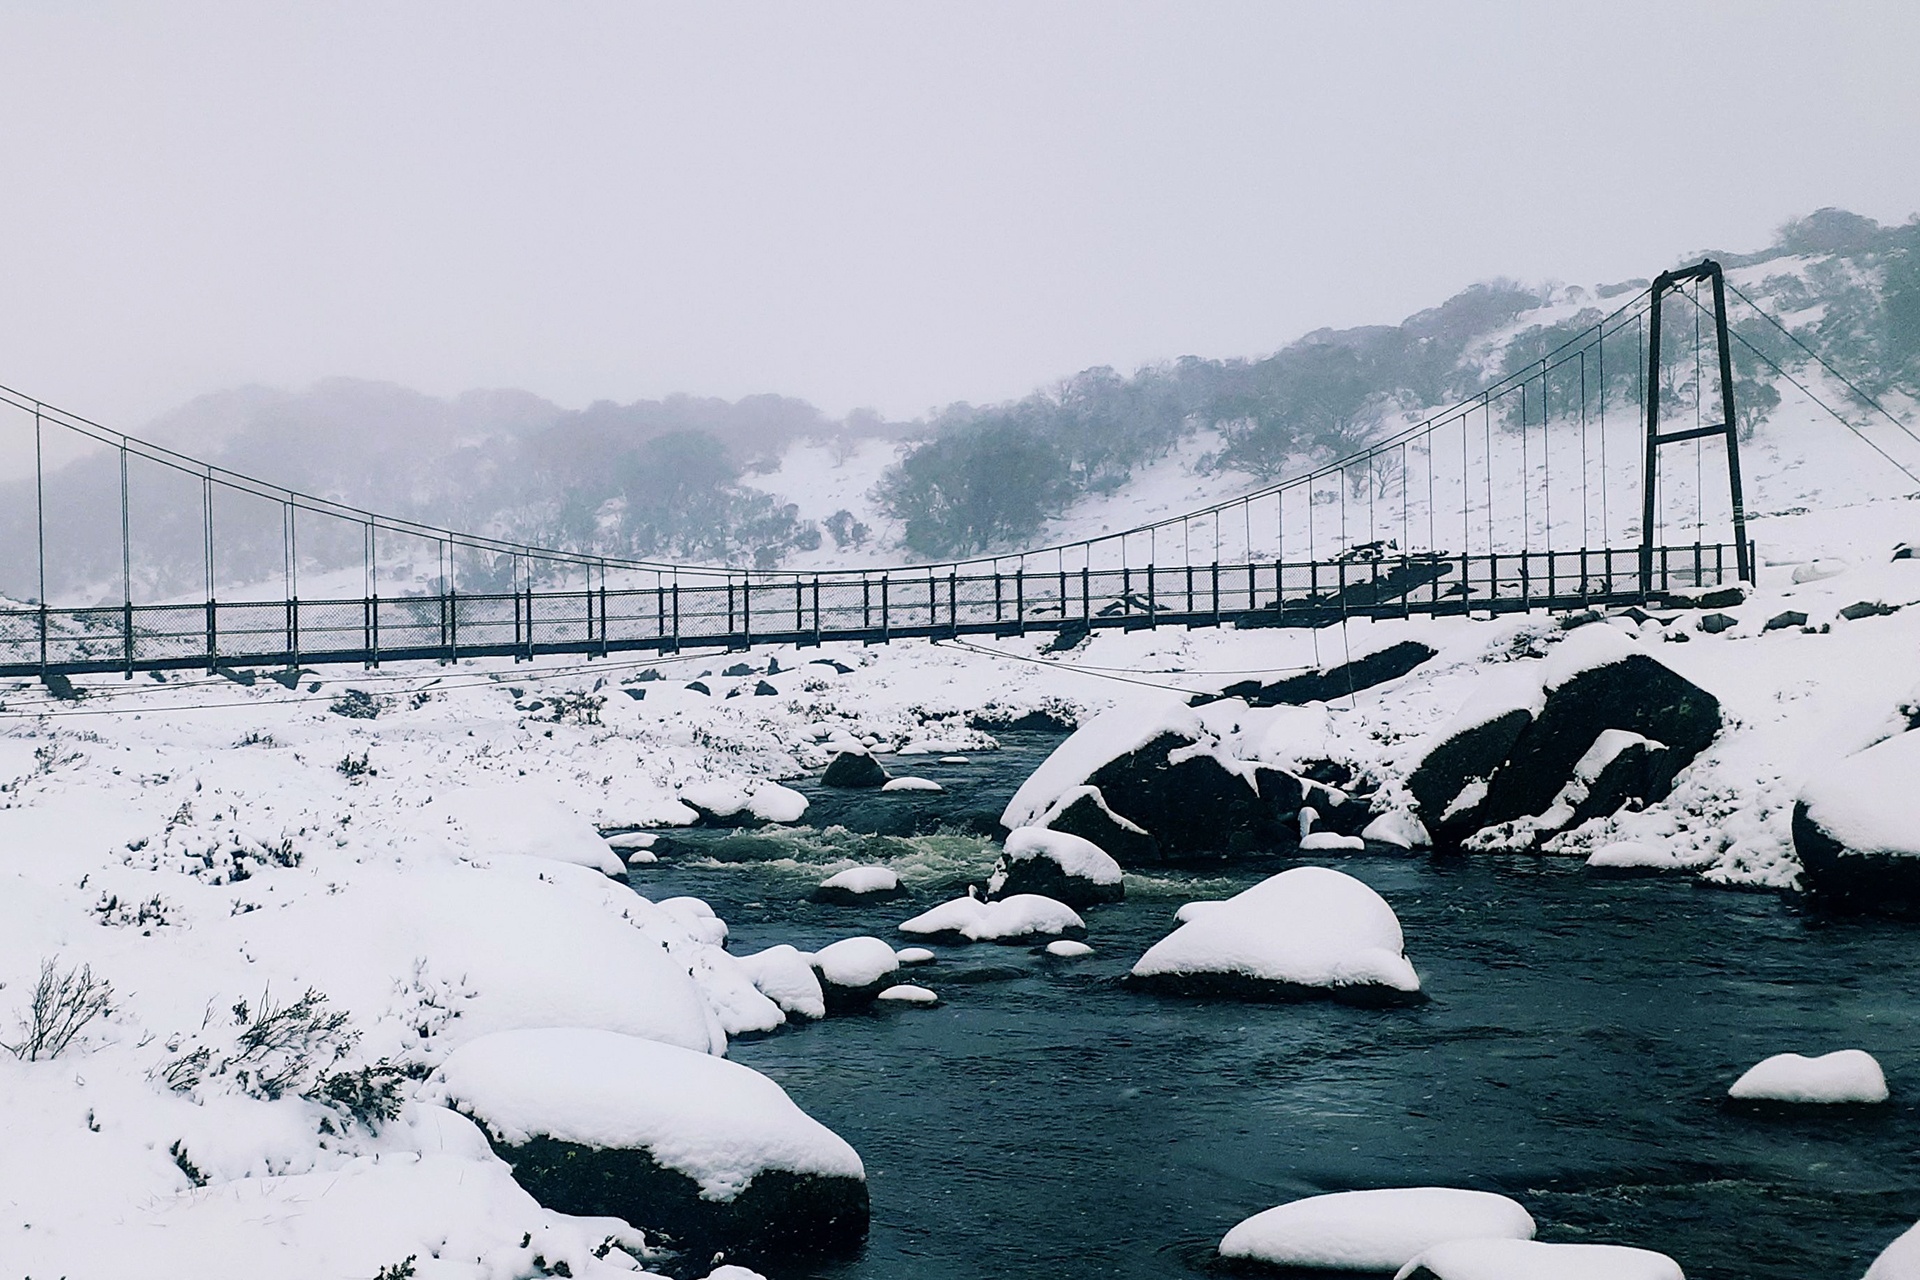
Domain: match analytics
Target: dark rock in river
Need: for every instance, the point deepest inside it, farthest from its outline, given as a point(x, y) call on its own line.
point(1473, 752)
point(1055, 864)
point(853, 971)
point(1856, 835)
point(1525, 760)
point(991, 717)
point(1633, 692)
point(1194, 806)
point(603, 1125)
point(1083, 812)
point(854, 769)
point(779, 1216)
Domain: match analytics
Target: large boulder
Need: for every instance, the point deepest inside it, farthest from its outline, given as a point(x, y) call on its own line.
point(1856, 827)
point(1083, 812)
point(854, 769)
point(853, 971)
point(1159, 787)
point(1018, 918)
point(1055, 865)
point(1311, 932)
point(857, 885)
point(1376, 1231)
point(1196, 801)
point(1537, 762)
point(701, 1153)
point(1498, 1259)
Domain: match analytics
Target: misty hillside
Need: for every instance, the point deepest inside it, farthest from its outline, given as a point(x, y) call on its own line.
point(772, 481)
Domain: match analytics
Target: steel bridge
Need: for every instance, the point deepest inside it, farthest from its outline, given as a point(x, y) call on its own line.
point(1454, 514)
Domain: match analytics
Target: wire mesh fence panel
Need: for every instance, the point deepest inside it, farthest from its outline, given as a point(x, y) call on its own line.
point(561, 617)
point(19, 637)
point(486, 622)
point(85, 635)
point(331, 626)
point(633, 617)
point(978, 600)
point(169, 633)
point(411, 622)
point(252, 631)
point(841, 606)
point(1044, 598)
point(707, 612)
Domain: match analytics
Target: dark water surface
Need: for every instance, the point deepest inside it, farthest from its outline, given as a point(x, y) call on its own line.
point(1043, 1122)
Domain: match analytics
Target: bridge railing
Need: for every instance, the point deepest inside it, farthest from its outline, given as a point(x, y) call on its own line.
point(873, 607)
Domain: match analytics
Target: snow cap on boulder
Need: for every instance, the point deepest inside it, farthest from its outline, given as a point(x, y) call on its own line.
point(1057, 865)
point(853, 971)
point(688, 1144)
point(1845, 1075)
point(1379, 1231)
point(1307, 931)
point(1011, 919)
point(1856, 828)
point(1494, 1259)
point(854, 767)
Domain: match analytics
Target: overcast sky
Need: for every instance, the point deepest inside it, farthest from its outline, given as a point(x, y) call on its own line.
point(889, 205)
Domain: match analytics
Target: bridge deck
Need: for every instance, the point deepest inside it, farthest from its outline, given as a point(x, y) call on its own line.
point(869, 607)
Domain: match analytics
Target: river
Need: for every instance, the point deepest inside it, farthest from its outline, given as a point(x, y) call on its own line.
point(1042, 1121)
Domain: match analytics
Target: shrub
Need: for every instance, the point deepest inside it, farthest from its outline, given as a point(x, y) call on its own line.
point(63, 1004)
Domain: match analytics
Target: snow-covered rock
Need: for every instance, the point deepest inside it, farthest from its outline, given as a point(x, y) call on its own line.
point(1606, 723)
point(1330, 841)
point(1845, 1075)
point(1627, 856)
point(722, 804)
point(854, 767)
point(1856, 828)
point(1374, 1231)
point(1012, 919)
point(1532, 1260)
point(858, 884)
point(1068, 948)
point(1082, 811)
point(1397, 827)
point(1310, 931)
point(1057, 865)
point(1162, 772)
point(908, 993)
point(915, 955)
point(785, 976)
point(704, 1151)
point(911, 784)
point(853, 971)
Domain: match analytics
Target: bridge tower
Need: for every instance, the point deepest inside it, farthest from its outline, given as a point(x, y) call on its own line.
point(1667, 282)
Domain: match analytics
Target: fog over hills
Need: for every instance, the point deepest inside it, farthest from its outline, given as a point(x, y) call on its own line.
point(770, 481)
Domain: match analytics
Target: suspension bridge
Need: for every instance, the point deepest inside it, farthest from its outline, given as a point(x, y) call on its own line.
point(1543, 491)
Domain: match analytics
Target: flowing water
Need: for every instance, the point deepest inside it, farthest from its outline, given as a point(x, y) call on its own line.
point(1043, 1122)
